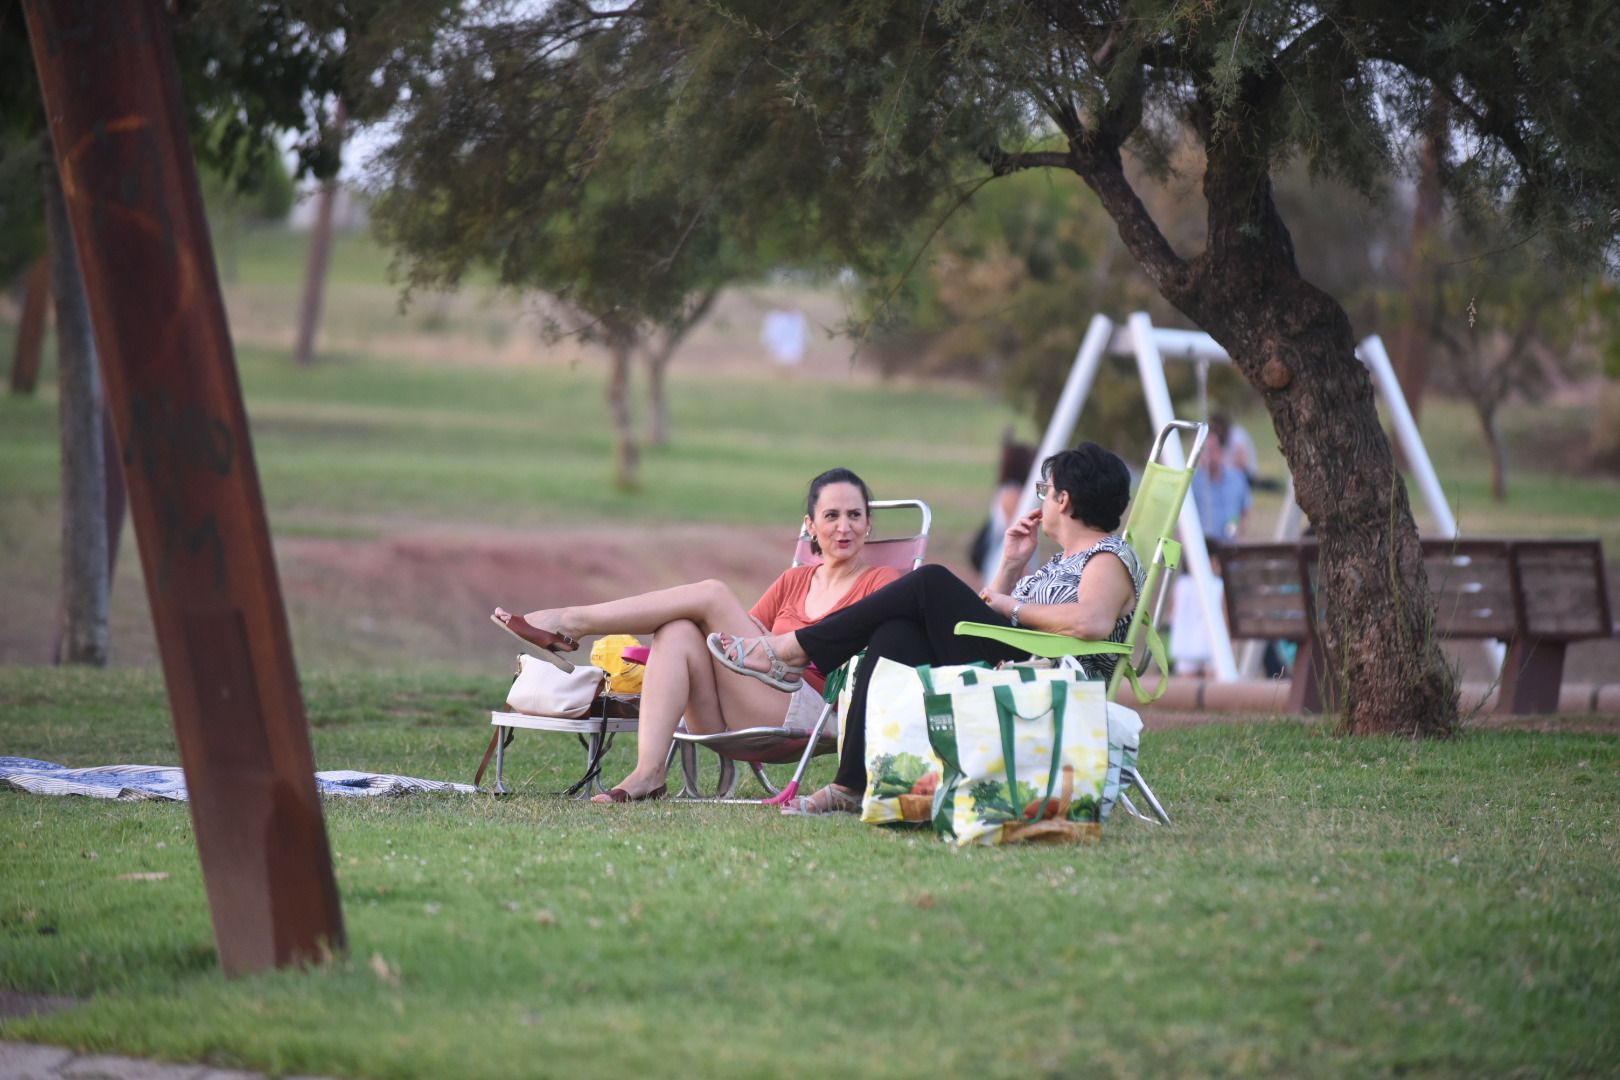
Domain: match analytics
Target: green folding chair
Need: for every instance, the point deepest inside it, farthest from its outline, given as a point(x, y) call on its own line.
point(1150, 526)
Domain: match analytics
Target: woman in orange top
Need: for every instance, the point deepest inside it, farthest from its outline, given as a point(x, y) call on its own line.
point(682, 678)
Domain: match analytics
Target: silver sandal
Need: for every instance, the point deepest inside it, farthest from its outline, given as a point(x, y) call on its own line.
point(829, 800)
point(739, 650)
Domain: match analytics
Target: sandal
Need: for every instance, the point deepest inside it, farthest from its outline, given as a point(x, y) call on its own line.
point(547, 642)
point(831, 799)
point(619, 795)
point(733, 655)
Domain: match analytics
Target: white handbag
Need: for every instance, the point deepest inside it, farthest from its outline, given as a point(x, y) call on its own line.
point(543, 689)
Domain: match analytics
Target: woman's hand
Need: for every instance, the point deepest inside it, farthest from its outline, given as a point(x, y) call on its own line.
point(998, 602)
point(1018, 543)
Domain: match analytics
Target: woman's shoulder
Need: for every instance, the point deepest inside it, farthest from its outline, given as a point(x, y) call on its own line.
point(1121, 549)
point(794, 577)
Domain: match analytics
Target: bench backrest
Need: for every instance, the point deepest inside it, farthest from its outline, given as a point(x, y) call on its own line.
point(1551, 589)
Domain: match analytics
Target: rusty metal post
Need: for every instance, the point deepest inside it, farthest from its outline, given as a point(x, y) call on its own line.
point(112, 98)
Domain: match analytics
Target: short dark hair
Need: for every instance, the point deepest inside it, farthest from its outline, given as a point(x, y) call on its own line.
point(1098, 483)
point(839, 475)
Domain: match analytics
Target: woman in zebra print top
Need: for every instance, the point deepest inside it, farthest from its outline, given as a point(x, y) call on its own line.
point(1083, 493)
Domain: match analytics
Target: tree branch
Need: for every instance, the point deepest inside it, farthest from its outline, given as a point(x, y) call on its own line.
point(1002, 163)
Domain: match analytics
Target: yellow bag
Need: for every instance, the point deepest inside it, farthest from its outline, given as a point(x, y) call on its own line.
point(608, 654)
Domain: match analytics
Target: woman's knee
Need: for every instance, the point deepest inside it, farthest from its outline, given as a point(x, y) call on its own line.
point(677, 632)
point(934, 574)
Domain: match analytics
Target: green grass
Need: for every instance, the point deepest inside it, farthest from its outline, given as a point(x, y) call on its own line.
point(1321, 905)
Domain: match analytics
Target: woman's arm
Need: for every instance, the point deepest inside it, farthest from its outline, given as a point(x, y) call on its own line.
point(1106, 592)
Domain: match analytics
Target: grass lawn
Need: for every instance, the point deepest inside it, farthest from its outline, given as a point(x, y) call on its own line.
point(1321, 905)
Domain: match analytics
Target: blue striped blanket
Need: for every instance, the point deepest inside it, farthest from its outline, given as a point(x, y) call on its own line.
point(169, 782)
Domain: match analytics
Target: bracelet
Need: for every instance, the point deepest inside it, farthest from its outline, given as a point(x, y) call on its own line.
point(1012, 616)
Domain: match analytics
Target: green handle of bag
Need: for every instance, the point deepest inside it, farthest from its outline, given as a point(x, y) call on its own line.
point(1006, 713)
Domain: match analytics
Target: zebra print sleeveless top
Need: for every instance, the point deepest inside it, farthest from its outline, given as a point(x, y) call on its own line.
point(1058, 582)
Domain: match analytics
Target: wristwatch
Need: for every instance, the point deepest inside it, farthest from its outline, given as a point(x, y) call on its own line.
point(1012, 616)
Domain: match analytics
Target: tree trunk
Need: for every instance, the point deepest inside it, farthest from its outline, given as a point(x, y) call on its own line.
point(31, 328)
point(320, 252)
point(84, 490)
point(658, 364)
point(626, 453)
point(1493, 440)
point(1294, 344)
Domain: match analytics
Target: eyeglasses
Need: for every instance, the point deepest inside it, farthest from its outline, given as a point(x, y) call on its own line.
point(1043, 488)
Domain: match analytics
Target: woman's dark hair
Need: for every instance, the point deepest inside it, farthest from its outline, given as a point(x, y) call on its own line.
point(833, 476)
point(1098, 483)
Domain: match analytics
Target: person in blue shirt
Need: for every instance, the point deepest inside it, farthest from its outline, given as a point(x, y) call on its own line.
point(1220, 492)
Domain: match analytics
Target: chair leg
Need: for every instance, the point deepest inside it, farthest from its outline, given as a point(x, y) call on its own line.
point(500, 760)
point(692, 787)
point(1147, 793)
point(764, 781)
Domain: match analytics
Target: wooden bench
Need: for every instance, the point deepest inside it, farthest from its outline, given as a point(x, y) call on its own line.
point(1536, 596)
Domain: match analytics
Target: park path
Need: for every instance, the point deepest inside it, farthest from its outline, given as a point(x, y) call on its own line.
point(35, 1061)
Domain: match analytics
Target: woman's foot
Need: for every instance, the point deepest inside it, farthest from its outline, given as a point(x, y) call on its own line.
point(633, 789)
point(758, 658)
point(521, 628)
point(832, 799)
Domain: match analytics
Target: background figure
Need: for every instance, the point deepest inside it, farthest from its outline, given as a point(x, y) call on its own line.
point(1220, 492)
point(785, 333)
point(1191, 651)
point(1017, 460)
point(1240, 452)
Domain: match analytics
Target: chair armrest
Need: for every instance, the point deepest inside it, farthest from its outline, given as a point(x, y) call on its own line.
point(1040, 643)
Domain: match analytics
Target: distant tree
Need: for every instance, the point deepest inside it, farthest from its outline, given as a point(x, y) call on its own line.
point(496, 164)
point(1602, 308)
point(1504, 324)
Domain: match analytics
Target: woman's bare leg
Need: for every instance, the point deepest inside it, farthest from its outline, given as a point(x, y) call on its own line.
point(682, 678)
point(709, 604)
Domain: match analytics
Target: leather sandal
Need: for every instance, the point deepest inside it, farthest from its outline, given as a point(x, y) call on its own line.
point(732, 656)
point(547, 642)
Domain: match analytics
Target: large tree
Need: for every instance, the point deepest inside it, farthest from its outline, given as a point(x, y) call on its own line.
point(861, 120)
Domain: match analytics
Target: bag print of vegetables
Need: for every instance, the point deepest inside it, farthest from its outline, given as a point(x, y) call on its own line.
point(907, 779)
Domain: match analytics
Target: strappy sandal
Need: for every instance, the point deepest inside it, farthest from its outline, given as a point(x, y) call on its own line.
point(831, 799)
point(547, 642)
point(733, 656)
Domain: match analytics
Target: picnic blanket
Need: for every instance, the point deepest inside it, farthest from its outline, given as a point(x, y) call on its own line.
point(169, 782)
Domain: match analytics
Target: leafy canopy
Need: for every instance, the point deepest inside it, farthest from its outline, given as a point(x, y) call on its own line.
point(612, 147)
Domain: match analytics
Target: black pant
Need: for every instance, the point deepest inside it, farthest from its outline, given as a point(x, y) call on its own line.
point(910, 621)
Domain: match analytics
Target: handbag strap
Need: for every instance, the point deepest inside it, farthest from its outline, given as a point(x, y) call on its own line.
point(1007, 710)
point(489, 752)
